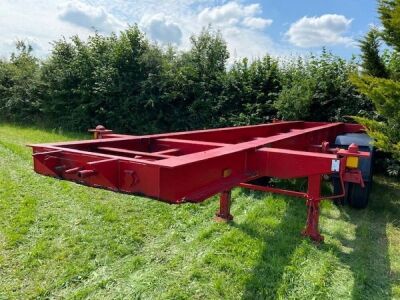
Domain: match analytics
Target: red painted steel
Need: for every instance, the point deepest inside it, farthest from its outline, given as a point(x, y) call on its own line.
point(192, 166)
point(224, 213)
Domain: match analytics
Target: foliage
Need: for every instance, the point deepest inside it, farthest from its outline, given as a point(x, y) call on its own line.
point(20, 85)
point(203, 69)
point(384, 92)
point(129, 84)
point(101, 81)
point(392, 63)
point(372, 62)
point(318, 89)
point(250, 90)
point(389, 14)
point(294, 102)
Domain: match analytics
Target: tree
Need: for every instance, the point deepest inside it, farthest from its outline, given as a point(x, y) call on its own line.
point(20, 86)
point(389, 14)
point(250, 90)
point(372, 62)
point(203, 70)
point(384, 92)
point(102, 81)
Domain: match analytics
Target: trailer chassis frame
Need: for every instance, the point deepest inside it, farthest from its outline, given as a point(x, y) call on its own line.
point(192, 166)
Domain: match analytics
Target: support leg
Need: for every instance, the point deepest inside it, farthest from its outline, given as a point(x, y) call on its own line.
point(224, 207)
point(314, 189)
point(311, 230)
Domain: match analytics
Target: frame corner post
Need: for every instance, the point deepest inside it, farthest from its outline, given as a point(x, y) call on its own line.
point(313, 200)
point(223, 214)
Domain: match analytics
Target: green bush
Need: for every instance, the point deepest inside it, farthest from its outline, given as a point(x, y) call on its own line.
point(318, 89)
point(21, 89)
point(101, 82)
point(129, 84)
point(250, 90)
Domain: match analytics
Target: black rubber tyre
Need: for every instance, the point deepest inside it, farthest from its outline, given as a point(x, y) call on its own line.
point(358, 196)
point(337, 189)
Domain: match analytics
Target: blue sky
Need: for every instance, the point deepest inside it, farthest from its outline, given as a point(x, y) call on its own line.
point(361, 12)
point(251, 28)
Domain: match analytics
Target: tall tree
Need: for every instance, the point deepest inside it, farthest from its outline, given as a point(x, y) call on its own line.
point(389, 14)
point(372, 62)
point(385, 92)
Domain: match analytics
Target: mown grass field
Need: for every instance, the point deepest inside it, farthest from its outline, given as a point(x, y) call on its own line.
point(62, 240)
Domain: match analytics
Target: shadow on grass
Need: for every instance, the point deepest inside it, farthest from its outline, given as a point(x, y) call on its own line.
point(367, 255)
point(278, 247)
point(369, 259)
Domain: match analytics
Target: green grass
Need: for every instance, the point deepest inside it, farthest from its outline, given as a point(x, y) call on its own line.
point(63, 240)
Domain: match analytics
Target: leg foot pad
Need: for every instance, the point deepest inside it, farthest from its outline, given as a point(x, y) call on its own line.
point(316, 237)
point(220, 218)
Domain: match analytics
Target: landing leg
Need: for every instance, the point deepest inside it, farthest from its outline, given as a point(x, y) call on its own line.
point(314, 191)
point(224, 214)
point(311, 230)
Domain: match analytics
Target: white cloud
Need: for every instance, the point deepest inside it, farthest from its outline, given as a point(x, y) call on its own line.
point(233, 13)
point(245, 42)
point(328, 29)
point(161, 28)
point(256, 23)
point(252, 9)
point(228, 13)
point(241, 27)
point(88, 16)
point(173, 21)
point(34, 21)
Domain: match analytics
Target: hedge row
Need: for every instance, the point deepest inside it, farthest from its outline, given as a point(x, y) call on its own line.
point(127, 83)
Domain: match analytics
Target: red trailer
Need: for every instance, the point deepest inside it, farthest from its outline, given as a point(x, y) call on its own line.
point(192, 166)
